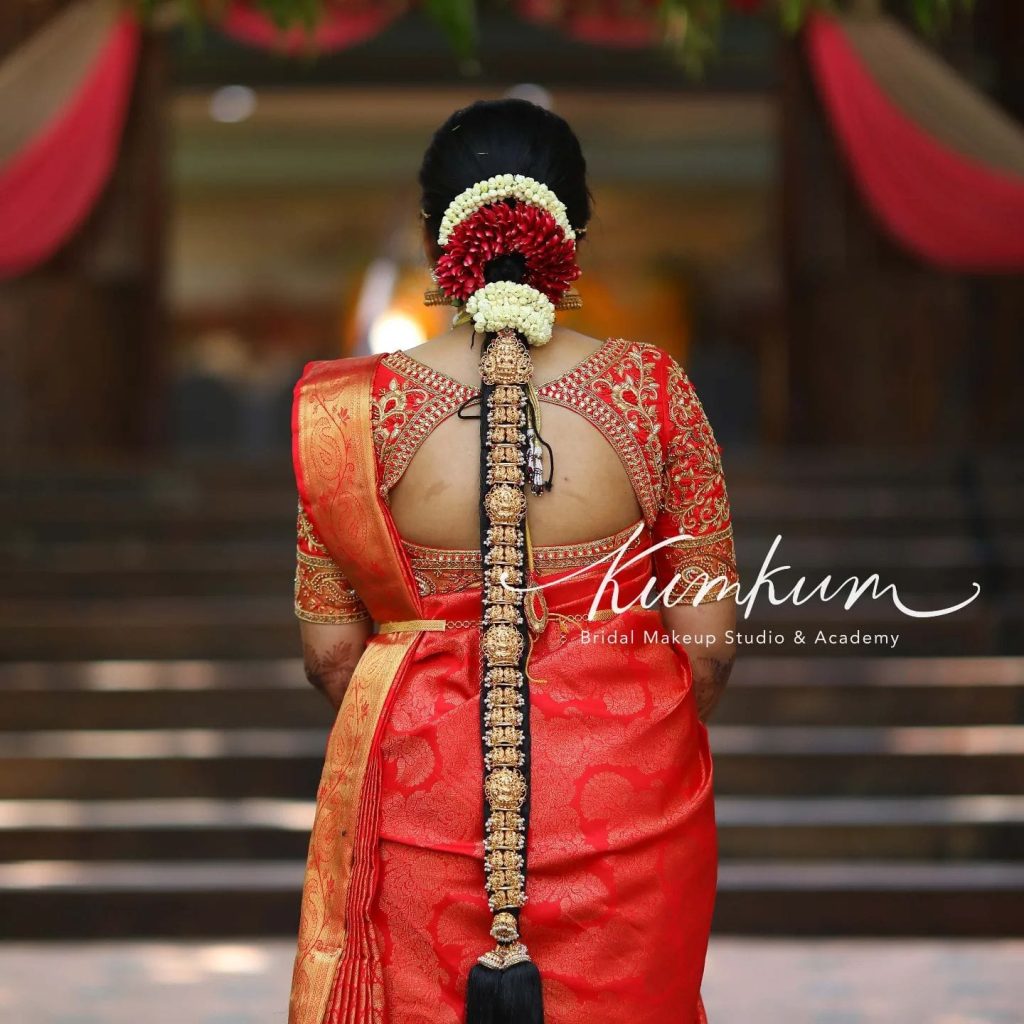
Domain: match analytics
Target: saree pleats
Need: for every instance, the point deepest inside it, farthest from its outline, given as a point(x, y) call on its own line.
point(336, 951)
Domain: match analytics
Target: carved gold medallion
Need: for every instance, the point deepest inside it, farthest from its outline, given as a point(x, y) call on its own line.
point(506, 361)
point(505, 789)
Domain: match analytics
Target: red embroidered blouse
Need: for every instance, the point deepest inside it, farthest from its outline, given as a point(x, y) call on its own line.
point(645, 406)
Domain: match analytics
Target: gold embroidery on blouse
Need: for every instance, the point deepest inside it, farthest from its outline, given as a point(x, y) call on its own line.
point(699, 561)
point(695, 500)
point(451, 570)
point(617, 388)
point(322, 593)
point(406, 412)
point(576, 391)
point(694, 490)
point(307, 534)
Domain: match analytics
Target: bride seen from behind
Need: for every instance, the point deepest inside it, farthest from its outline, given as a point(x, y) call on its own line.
point(515, 820)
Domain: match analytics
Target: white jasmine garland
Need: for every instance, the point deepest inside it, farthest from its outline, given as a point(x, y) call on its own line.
point(511, 304)
point(503, 186)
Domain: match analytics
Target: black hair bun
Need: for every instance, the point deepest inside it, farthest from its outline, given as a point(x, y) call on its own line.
point(510, 266)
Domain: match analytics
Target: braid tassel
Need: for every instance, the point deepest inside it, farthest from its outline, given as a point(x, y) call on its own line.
point(504, 986)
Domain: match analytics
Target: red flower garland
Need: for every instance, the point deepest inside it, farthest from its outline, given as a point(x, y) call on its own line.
point(501, 228)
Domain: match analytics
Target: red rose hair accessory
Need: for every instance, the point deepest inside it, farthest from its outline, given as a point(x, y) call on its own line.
point(497, 230)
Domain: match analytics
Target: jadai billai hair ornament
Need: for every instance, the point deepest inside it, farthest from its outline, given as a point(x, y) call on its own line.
point(507, 214)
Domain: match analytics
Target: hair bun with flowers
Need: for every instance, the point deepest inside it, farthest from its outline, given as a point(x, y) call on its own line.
point(508, 213)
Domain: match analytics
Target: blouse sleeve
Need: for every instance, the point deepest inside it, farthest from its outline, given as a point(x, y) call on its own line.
point(322, 593)
point(694, 500)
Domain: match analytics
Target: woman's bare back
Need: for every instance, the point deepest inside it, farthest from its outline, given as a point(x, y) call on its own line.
point(436, 502)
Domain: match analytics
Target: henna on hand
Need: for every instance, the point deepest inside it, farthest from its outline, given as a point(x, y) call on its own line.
point(330, 669)
point(710, 675)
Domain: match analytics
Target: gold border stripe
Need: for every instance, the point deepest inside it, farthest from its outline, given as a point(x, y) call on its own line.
point(414, 626)
point(331, 868)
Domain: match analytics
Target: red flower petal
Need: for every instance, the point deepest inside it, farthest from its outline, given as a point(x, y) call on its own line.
point(501, 228)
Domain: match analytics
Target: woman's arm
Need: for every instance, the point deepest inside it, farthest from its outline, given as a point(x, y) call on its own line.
point(335, 623)
point(700, 561)
point(330, 652)
point(711, 661)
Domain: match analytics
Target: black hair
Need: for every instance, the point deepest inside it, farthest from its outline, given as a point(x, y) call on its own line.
point(507, 136)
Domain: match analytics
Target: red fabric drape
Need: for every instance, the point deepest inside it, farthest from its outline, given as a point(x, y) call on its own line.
point(48, 189)
point(950, 209)
point(621, 23)
point(339, 27)
point(601, 22)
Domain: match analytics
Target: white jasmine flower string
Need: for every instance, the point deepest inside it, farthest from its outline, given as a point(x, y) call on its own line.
point(511, 304)
point(503, 186)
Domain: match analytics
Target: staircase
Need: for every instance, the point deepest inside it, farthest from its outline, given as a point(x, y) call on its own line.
point(160, 748)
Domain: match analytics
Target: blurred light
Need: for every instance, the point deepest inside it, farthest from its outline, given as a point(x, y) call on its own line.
point(392, 331)
point(232, 103)
point(238, 959)
point(375, 295)
point(534, 93)
point(220, 352)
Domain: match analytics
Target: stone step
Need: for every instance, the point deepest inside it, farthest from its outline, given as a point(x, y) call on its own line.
point(955, 741)
point(871, 672)
point(24, 539)
point(790, 487)
point(250, 707)
point(863, 761)
point(936, 828)
point(872, 502)
point(72, 899)
point(874, 691)
point(749, 760)
point(148, 569)
point(294, 707)
point(274, 692)
point(118, 555)
point(856, 704)
point(136, 584)
point(862, 514)
point(805, 462)
point(987, 828)
point(827, 464)
point(858, 898)
point(877, 627)
point(159, 627)
point(263, 626)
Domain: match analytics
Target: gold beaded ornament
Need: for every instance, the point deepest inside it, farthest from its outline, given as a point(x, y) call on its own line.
point(505, 373)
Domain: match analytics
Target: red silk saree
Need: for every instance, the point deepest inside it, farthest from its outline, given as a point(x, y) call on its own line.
point(622, 836)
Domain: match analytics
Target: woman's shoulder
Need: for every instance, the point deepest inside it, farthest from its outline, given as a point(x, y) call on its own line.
point(654, 353)
point(676, 382)
point(651, 368)
point(615, 354)
point(660, 381)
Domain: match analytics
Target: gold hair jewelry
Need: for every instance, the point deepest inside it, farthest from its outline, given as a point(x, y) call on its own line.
point(436, 297)
point(570, 300)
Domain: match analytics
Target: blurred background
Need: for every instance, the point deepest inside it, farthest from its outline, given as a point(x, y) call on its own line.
point(820, 214)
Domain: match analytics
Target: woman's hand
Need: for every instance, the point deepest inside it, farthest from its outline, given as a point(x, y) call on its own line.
point(711, 661)
point(330, 653)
